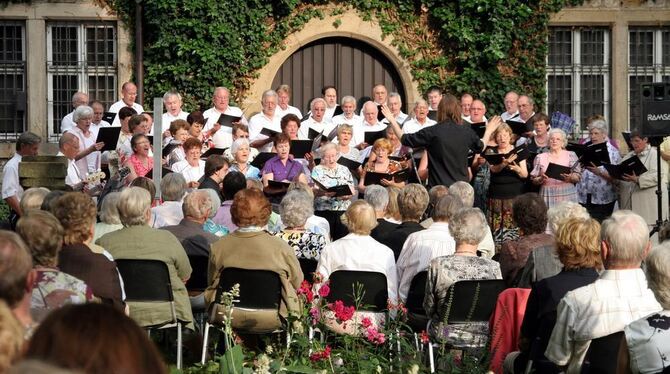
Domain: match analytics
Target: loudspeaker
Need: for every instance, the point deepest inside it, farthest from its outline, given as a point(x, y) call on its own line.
point(655, 105)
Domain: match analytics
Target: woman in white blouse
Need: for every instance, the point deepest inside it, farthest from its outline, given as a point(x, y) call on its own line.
point(193, 168)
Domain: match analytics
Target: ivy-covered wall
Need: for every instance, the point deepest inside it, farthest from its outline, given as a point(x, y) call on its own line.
point(485, 47)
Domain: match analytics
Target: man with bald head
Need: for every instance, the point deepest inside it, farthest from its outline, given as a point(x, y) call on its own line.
point(466, 101)
point(511, 106)
point(222, 137)
point(370, 124)
point(78, 99)
point(68, 146)
point(128, 97)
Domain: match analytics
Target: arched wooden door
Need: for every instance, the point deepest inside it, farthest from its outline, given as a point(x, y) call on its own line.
point(351, 65)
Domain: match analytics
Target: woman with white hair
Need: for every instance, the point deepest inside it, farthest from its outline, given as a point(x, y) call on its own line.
point(32, 198)
point(240, 151)
point(88, 159)
point(468, 228)
point(137, 241)
point(173, 190)
point(552, 190)
point(295, 208)
point(109, 216)
point(647, 343)
point(596, 189)
point(331, 174)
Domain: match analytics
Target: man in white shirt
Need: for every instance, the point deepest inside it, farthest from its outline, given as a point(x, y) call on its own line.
point(283, 98)
point(370, 123)
point(128, 97)
point(420, 120)
point(423, 246)
point(98, 111)
point(478, 112)
point(26, 145)
point(221, 135)
point(348, 115)
point(78, 99)
point(511, 106)
point(316, 121)
point(265, 119)
point(330, 95)
point(68, 146)
point(526, 108)
point(172, 101)
point(618, 297)
point(395, 105)
point(379, 94)
point(434, 95)
point(466, 101)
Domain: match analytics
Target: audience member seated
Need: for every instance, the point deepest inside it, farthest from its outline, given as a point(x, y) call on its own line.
point(392, 211)
point(232, 183)
point(295, 208)
point(578, 248)
point(76, 213)
point(647, 343)
point(314, 223)
point(216, 168)
point(378, 197)
point(94, 338)
point(434, 195)
point(195, 240)
point(618, 297)
point(422, 247)
point(529, 213)
point(250, 247)
point(52, 288)
point(210, 226)
point(412, 202)
point(33, 198)
point(330, 174)
point(50, 198)
point(192, 168)
point(173, 189)
point(17, 278)
point(466, 193)
point(241, 151)
point(109, 216)
point(543, 262)
point(468, 228)
point(12, 338)
point(358, 251)
point(137, 241)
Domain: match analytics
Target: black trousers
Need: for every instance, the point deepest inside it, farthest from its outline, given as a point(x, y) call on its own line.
point(599, 212)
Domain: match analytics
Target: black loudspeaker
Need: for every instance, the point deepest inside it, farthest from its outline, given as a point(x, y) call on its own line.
point(655, 105)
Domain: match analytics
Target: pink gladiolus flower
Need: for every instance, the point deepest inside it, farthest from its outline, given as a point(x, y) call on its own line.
point(324, 291)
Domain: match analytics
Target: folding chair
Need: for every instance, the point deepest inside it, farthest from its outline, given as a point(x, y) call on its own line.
point(308, 267)
point(416, 315)
point(375, 295)
point(195, 286)
point(470, 301)
point(260, 290)
point(149, 281)
point(602, 353)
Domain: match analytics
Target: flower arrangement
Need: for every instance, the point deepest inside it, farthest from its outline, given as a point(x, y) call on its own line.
point(331, 337)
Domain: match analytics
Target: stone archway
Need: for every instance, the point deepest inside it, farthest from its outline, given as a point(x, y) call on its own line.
point(351, 26)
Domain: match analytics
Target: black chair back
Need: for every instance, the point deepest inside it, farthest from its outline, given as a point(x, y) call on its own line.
point(259, 289)
point(145, 280)
point(602, 353)
point(374, 296)
point(416, 293)
point(308, 267)
point(198, 280)
point(472, 300)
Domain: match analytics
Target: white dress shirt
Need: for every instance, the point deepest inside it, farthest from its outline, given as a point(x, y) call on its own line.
point(412, 126)
point(190, 173)
point(73, 177)
point(323, 127)
point(400, 119)
point(354, 121)
point(505, 116)
point(67, 122)
point(91, 162)
point(120, 104)
point(419, 249)
point(10, 178)
point(360, 130)
point(223, 138)
point(167, 118)
point(360, 252)
point(279, 112)
point(257, 123)
point(615, 299)
point(169, 213)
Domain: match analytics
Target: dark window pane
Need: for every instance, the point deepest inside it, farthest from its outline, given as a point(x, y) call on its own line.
point(64, 86)
point(103, 88)
point(634, 82)
point(641, 47)
point(64, 45)
point(100, 46)
point(593, 47)
point(560, 46)
point(592, 96)
point(666, 47)
point(12, 118)
point(560, 94)
point(11, 41)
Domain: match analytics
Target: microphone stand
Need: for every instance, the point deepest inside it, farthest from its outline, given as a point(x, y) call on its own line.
point(659, 191)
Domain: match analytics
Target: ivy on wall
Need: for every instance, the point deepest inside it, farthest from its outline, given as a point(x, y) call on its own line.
point(485, 47)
